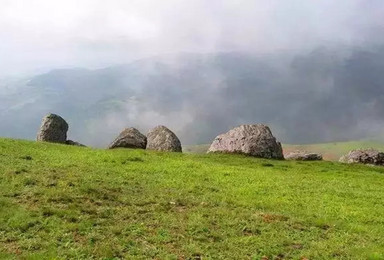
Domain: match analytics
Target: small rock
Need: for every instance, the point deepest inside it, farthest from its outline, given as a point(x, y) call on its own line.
point(70, 142)
point(304, 156)
point(364, 156)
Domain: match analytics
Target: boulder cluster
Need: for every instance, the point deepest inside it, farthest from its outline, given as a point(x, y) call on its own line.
point(54, 129)
point(254, 140)
point(159, 138)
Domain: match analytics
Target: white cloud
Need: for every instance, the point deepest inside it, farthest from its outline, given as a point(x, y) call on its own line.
point(53, 33)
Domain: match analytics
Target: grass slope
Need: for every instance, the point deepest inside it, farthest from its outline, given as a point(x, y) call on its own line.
point(330, 151)
point(65, 202)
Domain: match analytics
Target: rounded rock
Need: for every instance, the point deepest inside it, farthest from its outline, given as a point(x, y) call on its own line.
point(161, 138)
point(129, 138)
point(253, 140)
point(53, 129)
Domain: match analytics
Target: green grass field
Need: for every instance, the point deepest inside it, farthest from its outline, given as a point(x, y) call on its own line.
point(330, 151)
point(63, 202)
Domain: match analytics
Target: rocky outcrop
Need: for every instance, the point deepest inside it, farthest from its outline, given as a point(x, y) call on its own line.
point(53, 129)
point(254, 140)
point(161, 138)
point(364, 156)
point(129, 138)
point(304, 156)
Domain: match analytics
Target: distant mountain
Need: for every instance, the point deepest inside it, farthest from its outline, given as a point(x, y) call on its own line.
point(323, 95)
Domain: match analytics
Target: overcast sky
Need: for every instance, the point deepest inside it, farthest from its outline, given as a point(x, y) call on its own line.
point(44, 34)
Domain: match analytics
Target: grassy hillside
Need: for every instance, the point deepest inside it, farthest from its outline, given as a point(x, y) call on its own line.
point(65, 202)
point(330, 151)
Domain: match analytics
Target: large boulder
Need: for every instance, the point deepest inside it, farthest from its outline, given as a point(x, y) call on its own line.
point(364, 156)
point(161, 138)
point(53, 129)
point(129, 138)
point(304, 156)
point(254, 140)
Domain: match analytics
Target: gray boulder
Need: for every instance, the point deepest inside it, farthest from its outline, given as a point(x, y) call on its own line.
point(161, 138)
point(53, 129)
point(254, 140)
point(304, 156)
point(364, 156)
point(129, 138)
